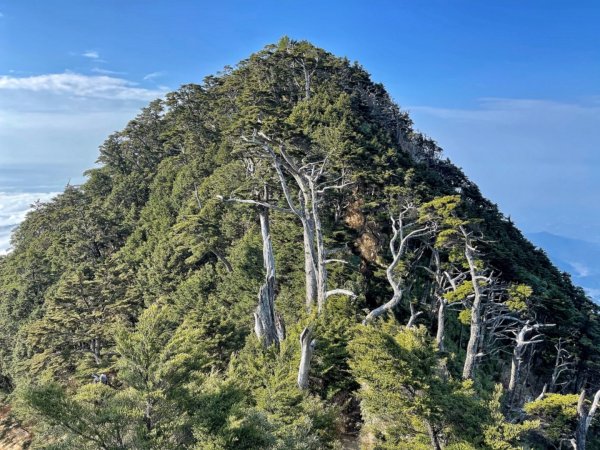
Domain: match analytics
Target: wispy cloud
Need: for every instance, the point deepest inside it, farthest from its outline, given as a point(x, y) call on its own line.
point(107, 72)
point(92, 54)
point(59, 120)
point(104, 87)
point(580, 269)
point(13, 208)
point(153, 75)
point(1, 15)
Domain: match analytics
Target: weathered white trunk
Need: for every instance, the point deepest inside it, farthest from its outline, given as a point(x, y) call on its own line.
point(517, 361)
point(398, 244)
point(441, 323)
point(320, 249)
point(383, 308)
point(310, 263)
point(413, 316)
point(521, 344)
point(585, 419)
point(264, 317)
point(280, 327)
point(476, 322)
point(306, 209)
point(309, 269)
point(307, 345)
point(433, 436)
point(515, 372)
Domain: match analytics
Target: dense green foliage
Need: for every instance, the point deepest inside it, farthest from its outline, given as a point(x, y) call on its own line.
point(148, 274)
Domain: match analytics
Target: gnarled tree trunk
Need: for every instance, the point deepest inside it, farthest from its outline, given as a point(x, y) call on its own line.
point(521, 344)
point(585, 419)
point(398, 244)
point(307, 345)
point(264, 317)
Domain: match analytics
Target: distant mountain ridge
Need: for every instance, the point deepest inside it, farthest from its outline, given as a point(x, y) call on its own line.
point(579, 258)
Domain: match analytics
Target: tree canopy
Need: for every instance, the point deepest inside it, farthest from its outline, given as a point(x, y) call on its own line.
point(275, 259)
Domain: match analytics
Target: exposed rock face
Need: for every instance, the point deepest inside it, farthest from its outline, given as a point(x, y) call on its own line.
point(12, 436)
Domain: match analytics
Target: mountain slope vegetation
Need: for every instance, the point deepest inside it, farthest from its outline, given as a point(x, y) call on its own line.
point(276, 259)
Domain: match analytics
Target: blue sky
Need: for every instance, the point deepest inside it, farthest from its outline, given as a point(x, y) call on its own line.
point(510, 89)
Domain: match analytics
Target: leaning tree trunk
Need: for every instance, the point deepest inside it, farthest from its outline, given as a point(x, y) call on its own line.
point(307, 345)
point(265, 324)
point(380, 310)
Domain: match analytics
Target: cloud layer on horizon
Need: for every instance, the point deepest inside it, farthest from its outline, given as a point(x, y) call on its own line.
point(13, 209)
point(60, 119)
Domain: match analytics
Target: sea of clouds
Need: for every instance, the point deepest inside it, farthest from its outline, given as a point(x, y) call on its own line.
point(13, 209)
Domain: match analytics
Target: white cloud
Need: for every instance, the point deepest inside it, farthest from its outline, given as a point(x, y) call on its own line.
point(92, 54)
point(13, 208)
point(107, 72)
point(154, 75)
point(580, 269)
point(50, 128)
point(96, 86)
point(57, 121)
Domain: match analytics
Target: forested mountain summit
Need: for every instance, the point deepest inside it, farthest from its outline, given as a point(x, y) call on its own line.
point(276, 259)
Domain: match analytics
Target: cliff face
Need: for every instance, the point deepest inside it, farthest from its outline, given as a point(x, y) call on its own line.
point(264, 196)
point(12, 436)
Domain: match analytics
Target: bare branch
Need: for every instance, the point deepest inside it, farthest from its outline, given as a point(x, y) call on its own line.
point(340, 292)
point(341, 261)
point(255, 202)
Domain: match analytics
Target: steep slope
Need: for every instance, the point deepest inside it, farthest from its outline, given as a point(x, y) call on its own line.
point(261, 198)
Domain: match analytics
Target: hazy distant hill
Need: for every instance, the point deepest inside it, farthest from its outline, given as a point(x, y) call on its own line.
point(579, 258)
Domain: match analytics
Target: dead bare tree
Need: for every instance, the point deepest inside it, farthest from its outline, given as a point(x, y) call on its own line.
point(563, 364)
point(405, 229)
point(264, 317)
point(585, 417)
point(413, 315)
point(268, 325)
point(307, 345)
point(522, 343)
point(444, 281)
point(313, 180)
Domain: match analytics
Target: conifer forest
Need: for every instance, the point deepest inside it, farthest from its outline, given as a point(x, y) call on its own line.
point(275, 259)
